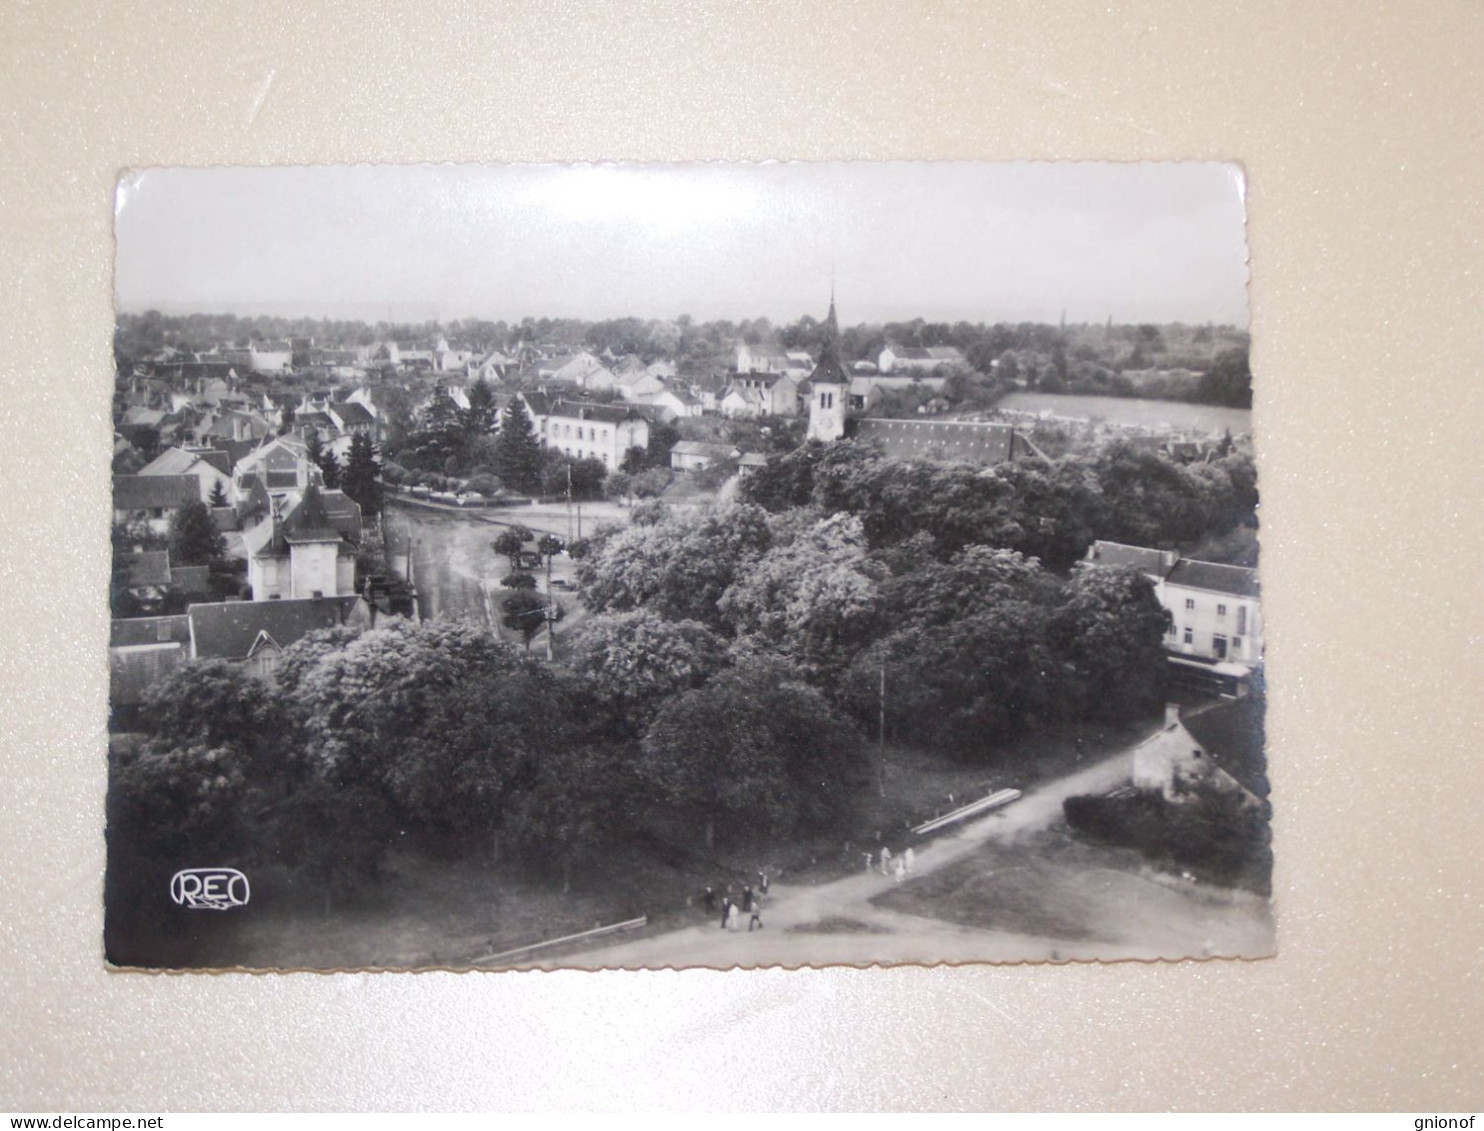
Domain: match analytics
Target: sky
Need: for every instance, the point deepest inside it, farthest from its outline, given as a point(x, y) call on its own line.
point(1136, 242)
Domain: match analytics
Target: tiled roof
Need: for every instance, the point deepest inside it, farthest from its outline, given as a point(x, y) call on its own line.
point(152, 567)
point(232, 630)
point(191, 581)
point(1117, 554)
point(586, 410)
point(172, 461)
point(1232, 734)
point(938, 439)
point(1239, 581)
point(703, 448)
point(352, 412)
point(138, 631)
point(150, 492)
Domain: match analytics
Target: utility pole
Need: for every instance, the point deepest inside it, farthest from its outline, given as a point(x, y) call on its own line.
point(550, 616)
point(569, 500)
point(882, 732)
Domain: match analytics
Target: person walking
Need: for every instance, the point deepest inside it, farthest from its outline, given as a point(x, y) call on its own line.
point(762, 881)
point(726, 912)
point(757, 916)
point(909, 858)
point(747, 898)
point(710, 900)
point(899, 869)
point(885, 861)
point(733, 917)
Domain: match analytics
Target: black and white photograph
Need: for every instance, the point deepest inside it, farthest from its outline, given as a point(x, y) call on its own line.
point(674, 566)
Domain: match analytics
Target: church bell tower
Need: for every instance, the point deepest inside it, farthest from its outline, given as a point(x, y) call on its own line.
point(829, 386)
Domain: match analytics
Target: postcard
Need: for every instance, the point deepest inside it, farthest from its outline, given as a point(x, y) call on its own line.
point(697, 565)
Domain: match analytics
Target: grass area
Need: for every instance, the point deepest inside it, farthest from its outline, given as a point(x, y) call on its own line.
point(429, 912)
point(1059, 888)
point(921, 784)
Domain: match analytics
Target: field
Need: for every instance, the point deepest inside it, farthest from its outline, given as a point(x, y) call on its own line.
point(1129, 411)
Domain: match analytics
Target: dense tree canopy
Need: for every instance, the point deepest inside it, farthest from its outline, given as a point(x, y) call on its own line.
point(755, 753)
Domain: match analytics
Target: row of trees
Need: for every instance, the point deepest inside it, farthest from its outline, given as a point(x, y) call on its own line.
point(436, 736)
point(1052, 511)
point(975, 644)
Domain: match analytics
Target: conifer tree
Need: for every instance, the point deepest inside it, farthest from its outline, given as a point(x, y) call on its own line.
point(517, 451)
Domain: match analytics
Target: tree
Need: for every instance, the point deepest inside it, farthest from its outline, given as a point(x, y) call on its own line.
point(812, 597)
point(480, 418)
point(678, 565)
point(194, 539)
point(1229, 380)
point(620, 486)
point(218, 496)
point(510, 543)
point(548, 546)
point(1111, 630)
point(755, 752)
point(634, 662)
point(517, 452)
point(525, 611)
point(362, 478)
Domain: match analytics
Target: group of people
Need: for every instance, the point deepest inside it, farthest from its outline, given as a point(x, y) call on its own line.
point(898, 866)
point(751, 904)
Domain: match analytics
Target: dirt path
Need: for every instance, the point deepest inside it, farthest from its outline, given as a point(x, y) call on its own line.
point(837, 923)
point(1125, 915)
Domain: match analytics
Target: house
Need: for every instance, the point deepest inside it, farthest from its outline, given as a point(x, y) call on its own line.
point(639, 386)
point(673, 403)
point(1215, 637)
point(281, 465)
point(270, 357)
point(153, 499)
point(584, 430)
point(353, 418)
point(582, 369)
point(765, 394)
point(147, 577)
point(696, 455)
point(737, 401)
point(1219, 746)
point(772, 359)
point(233, 425)
point(255, 633)
point(895, 358)
point(206, 465)
point(751, 463)
point(141, 652)
point(306, 547)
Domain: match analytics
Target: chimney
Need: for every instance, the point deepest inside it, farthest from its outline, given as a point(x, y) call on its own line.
point(1172, 715)
point(1167, 560)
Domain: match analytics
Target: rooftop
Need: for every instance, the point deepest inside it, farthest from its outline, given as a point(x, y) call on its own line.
point(234, 630)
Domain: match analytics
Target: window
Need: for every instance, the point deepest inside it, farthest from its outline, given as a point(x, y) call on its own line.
point(1189, 603)
point(1221, 610)
point(1189, 636)
point(1218, 645)
point(1242, 620)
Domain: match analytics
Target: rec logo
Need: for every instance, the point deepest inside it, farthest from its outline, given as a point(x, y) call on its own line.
point(210, 889)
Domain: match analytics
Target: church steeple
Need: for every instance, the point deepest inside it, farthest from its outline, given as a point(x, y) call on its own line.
point(830, 367)
point(829, 384)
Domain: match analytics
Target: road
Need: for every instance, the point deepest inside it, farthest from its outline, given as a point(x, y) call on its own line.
point(842, 926)
point(454, 566)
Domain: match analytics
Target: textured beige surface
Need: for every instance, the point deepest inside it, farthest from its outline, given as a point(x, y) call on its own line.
point(1359, 127)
